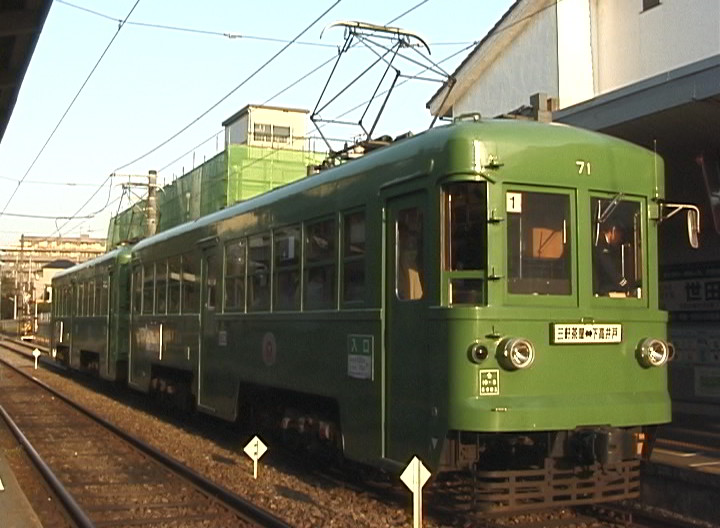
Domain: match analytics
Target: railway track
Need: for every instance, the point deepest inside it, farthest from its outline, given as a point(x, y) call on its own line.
point(105, 477)
point(440, 511)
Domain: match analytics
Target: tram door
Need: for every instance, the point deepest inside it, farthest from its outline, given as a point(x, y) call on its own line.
point(207, 324)
point(110, 337)
point(407, 412)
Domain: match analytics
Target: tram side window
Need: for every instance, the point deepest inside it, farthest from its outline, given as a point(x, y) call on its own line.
point(174, 273)
point(258, 273)
point(104, 295)
point(235, 260)
point(616, 248)
point(148, 288)
point(79, 306)
point(465, 240)
point(161, 287)
point(89, 297)
point(538, 243)
point(98, 296)
point(320, 265)
point(137, 290)
point(190, 286)
point(409, 255)
point(353, 257)
point(287, 269)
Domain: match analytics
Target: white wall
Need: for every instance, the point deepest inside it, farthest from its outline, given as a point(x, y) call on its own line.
point(241, 130)
point(526, 66)
point(574, 49)
point(633, 45)
point(271, 116)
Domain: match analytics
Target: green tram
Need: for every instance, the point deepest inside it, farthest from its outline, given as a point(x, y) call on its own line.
point(483, 295)
point(90, 315)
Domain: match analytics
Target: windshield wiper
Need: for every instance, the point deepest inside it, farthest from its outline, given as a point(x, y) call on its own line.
point(605, 214)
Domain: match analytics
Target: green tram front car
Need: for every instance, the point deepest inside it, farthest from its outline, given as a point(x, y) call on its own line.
point(483, 295)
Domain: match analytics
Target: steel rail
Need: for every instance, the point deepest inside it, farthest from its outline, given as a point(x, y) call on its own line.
point(77, 514)
point(252, 512)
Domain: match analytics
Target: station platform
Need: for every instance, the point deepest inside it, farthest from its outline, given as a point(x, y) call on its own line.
point(683, 475)
point(15, 510)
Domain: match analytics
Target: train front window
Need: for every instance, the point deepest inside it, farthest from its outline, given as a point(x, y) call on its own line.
point(538, 245)
point(465, 241)
point(616, 248)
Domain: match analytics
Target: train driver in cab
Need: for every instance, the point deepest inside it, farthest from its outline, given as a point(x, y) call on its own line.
point(609, 262)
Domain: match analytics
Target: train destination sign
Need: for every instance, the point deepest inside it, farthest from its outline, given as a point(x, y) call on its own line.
point(586, 333)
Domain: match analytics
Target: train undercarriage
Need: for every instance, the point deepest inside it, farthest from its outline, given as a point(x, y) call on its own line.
point(515, 472)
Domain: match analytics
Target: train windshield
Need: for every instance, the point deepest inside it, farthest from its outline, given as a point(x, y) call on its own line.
point(538, 251)
point(465, 241)
point(616, 248)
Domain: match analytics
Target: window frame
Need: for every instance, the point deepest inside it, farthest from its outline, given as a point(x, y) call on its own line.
point(312, 264)
point(174, 309)
point(238, 307)
point(264, 236)
point(448, 275)
point(148, 292)
point(643, 300)
point(569, 299)
point(347, 260)
point(278, 269)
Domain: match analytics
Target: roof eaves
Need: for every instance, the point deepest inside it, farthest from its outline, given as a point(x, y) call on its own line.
point(442, 100)
point(480, 44)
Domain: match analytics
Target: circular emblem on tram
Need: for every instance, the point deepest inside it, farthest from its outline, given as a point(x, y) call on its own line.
point(269, 349)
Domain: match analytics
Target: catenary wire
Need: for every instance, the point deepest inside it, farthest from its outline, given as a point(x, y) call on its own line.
point(226, 96)
point(298, 81)
point(497, 30)
point(193, 30)
point(20, 182)
point(40, 182)
point(258, 70)
point(225, 34)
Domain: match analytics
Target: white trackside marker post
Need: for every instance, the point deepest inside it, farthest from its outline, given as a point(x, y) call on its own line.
point(414, 477)
point(36, 353)
point(2, 488)
point(255, 449)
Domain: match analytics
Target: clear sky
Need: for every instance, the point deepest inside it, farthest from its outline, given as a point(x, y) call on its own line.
point(153, 82)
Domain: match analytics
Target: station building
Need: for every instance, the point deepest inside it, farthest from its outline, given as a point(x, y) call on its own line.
point(647, 71)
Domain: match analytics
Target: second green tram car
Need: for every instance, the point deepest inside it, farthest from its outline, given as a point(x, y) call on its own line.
point(90, 315)
point(483, 295)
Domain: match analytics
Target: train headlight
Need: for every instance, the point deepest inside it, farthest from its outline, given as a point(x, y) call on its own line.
point(517, 353)
point(477, 353)
point(653, 352)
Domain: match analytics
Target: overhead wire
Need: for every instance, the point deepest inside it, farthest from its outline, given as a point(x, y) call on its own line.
point(206, 112)
point(474, 43)
point(193, 30)
point(40, 182)
point(302, 78)
point(226, 96)
point(67, 110)
point(214, 33)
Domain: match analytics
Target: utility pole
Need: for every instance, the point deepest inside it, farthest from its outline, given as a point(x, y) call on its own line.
point(18, 280)
point(152, 204)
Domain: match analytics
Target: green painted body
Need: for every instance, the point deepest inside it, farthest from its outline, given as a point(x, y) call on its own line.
point(421, 383)
point(94, 334)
